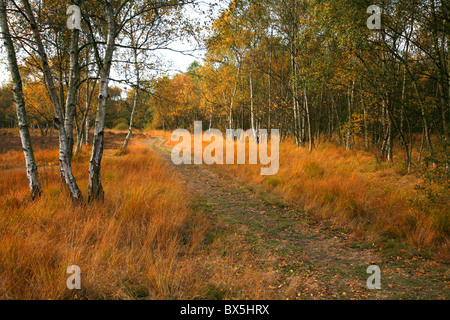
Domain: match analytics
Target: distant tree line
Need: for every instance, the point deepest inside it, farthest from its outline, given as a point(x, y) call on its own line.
point(314, 70)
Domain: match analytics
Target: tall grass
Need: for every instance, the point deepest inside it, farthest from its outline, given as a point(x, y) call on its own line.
point(371, 199)
point(359, 194)
point(131, 246)
point(145, 241)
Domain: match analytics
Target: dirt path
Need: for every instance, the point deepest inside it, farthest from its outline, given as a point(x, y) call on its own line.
point(312, 259)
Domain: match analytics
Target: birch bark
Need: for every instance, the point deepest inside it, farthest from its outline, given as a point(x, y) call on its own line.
point(95, 188)
point(67, 177)
point(32, 170)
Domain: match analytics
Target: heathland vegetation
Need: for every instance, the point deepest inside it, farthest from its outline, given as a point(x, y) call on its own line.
point(364, 169)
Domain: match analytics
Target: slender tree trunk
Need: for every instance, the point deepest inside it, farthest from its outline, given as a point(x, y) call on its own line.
point(252, 116)
point(32, 170)
point(297, 117)
point(384, 133)
point(330, 122)
point(408, 149)
point(296, 128)
point(308, 121)
point(71, 91)
point(85, 120)
point(366, 135)
point(80, 139)
point(390, 141)
point(61, 89)
point(67, 177)
point(133, 111)
point(95, 188)
point(86, 134)
point(348, 144)
point(88, 103)
point(407, 140)
point(402, 110)
point(230, 119)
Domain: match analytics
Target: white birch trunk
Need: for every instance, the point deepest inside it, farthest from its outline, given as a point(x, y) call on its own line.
point(308, 120)
point(67, 177)
point(71, 91)
point(95, 189)
point(135, 101)
point(252, 109)
point(32, 171)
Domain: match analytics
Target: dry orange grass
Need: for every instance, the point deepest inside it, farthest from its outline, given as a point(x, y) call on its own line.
point(131, 246)
point(145, 241)
point(353, 190)
point(357, 193)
